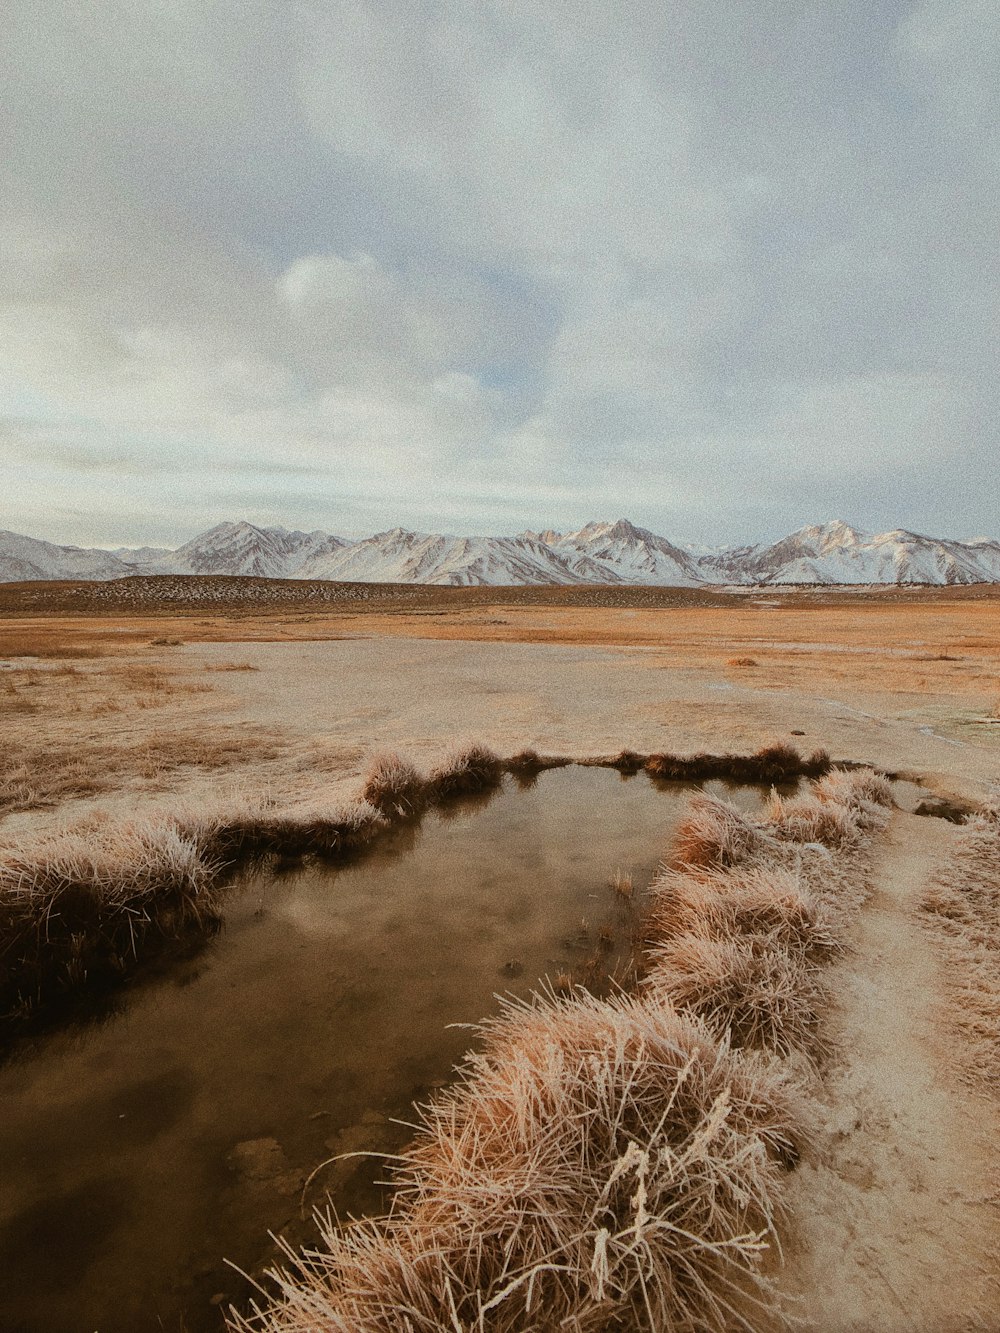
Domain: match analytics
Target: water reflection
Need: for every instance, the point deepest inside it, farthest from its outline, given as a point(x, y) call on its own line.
point(138, 1153)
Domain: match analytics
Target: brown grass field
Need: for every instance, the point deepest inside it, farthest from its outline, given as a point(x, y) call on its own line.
point(154, 696)
point(819, 987)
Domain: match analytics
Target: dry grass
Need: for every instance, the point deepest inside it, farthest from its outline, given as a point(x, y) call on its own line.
point(722, 905)
point(962, 908)
point(867, 793)
point(774, 763)
point(142, 685)
point(31, 779)
point(469, 769)
point(599, 1165)
point(82, 907)
point(739, 935)
point(166, 751)
point(393, 784)
point(811, 820)
point(627, 762)
point(621, 884)
point(79, 908)
point(13, 699)
point(714, 833)
point(325, 828)
point(602, 1164)
point(752, 987)
point(608, 1164)
point(34, 776)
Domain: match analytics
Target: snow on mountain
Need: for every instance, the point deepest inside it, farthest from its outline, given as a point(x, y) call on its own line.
point(399, 556)
point(627, 554)
point(26, 558)
point(986, 553)
point(243, 548)
point(599, 552)
point(837, 553)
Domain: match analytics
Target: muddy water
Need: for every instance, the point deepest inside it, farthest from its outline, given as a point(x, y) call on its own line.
point(137, 1155)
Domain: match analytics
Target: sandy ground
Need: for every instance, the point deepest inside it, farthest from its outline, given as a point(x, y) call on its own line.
point(893, 1224)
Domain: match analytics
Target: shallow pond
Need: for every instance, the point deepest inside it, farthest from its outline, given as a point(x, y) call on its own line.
point(138, 1153)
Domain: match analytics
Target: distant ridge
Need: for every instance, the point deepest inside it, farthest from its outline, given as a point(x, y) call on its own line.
point(599, 552)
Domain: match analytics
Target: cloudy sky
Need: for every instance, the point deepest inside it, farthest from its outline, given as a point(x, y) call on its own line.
point(471, 266)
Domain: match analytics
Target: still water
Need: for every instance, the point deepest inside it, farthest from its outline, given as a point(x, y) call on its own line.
point(139, 1154)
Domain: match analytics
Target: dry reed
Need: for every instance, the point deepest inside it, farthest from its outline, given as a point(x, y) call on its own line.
point(472, 768)
point(392, 784)
point(715, 833)
point(599, 1165)
point(720, 905)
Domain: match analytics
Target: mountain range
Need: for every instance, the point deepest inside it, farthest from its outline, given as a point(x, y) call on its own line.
point(618, 552)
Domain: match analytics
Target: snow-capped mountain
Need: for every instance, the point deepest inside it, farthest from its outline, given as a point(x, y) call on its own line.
point(399, 556)
point(837, 553)
point(243, 548)
point(599, 552)
point(627, 554)
point(25, 558)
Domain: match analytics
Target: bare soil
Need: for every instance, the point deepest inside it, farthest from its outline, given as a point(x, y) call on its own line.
point(895, 1222)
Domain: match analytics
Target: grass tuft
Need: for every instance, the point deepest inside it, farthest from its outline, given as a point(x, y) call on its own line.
point(812, 820)
point(752, 987)
point(473, 768)
point(723, 904)
point(599, 1165)
point(715, 833)
point(393, 785)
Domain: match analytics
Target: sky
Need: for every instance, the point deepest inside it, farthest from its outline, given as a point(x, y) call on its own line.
point(726, 269)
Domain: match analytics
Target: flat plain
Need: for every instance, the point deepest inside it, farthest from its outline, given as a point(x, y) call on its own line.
point(157, 688)
point(155, 695)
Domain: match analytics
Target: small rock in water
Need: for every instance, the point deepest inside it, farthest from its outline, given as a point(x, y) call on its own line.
point(262, 1162)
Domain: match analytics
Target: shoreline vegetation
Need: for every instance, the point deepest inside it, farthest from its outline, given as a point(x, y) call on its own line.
point(604, 1160)
point(961, 908)
point(617, 1164)
point(82, 908)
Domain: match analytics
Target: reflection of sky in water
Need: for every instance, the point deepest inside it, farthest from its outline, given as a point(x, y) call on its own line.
point(143, 1151)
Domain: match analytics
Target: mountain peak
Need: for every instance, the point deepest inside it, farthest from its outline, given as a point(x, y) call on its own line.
point(621, 529)
point(836, 529)
point(608, 552)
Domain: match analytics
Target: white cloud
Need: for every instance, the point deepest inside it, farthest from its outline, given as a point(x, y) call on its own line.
point(950, 49)
point(538, 145)
point(452, 257)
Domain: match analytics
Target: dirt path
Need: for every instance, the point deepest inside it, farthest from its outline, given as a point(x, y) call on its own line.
point(895, 1223)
